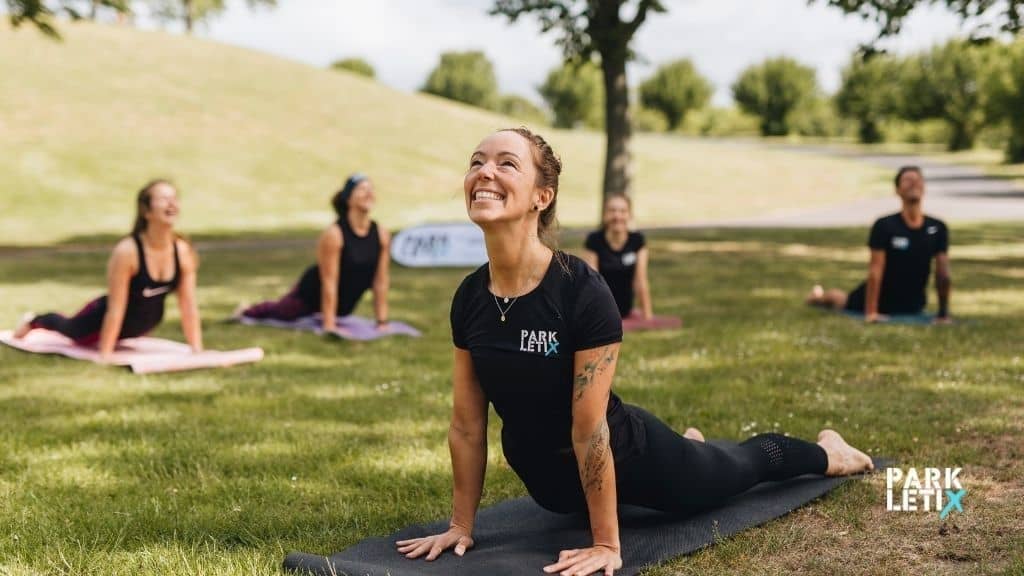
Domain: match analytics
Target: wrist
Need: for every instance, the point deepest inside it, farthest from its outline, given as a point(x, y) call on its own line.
point(614, 547)
point(943, 312)
point(463, 526)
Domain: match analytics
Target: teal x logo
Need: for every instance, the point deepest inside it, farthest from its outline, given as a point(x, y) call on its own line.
point(552, 348)
point(953, 502)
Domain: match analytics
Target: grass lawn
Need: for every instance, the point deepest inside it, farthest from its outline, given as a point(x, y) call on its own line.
point(325, 443)
point(259, 143)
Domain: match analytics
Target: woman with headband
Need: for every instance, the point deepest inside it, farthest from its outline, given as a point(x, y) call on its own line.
point(352, 257)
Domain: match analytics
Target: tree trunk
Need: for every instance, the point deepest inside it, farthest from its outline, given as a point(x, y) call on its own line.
point(93, 9)
point(962, 137)
point(1015, 144)
point(869, 132)
point(189, 16)
point(618, 174)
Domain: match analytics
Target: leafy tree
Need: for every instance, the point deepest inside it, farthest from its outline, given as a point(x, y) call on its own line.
point(869, 93)
point(773, 90)
point(675, 89)
point(1007, 15)
point(586, 28)
point(522, 109)
point(574, 93)
point(946, 83)
point(465, 77)
point(42, 12)
point(355, 65)
point(1005, 86)
point(190, 12)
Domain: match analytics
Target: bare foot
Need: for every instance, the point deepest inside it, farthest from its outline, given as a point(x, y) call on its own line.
point(239, 311)
point(817, 295)
point(25, 327)
point(843, 459)
point(693, 434)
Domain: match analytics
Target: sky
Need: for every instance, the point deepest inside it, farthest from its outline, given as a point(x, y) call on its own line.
point(403, 39)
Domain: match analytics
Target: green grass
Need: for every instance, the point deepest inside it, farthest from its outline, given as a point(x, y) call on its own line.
point(325, 443)
point(258, 143)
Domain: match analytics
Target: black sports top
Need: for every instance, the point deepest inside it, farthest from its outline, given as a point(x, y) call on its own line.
point(359, 258)
point(525, 365)
point(145, 309)
point(908, 256)
point(617, 266)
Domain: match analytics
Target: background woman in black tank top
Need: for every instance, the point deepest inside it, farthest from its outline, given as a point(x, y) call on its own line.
point(537, 335)
point(620, 255)
point(143, 269)
point(353, 256)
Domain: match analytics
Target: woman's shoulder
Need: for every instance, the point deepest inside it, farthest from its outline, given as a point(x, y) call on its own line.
point(471, 280)
point(594, 239)
point(575, 270)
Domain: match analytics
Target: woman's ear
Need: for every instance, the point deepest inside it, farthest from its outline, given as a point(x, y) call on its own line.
point(544, 198)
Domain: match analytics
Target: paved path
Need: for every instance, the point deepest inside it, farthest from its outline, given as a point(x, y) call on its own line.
point(953, 192)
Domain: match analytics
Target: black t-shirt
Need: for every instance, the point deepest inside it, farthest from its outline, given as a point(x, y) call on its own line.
point(618, 267)
point(525, 364)
point(908, 258)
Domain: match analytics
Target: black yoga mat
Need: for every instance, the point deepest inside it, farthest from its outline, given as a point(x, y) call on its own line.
point(519, 537)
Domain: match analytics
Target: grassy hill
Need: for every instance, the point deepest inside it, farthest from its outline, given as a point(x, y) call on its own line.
point(258, 143)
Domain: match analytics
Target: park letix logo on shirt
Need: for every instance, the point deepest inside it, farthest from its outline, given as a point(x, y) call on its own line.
point(629, 258)
point(934, 490)
point(539, 341)
point(900, 242)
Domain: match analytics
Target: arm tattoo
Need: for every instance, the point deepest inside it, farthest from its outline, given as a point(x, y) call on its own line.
point(592, 368)
point(596, 459)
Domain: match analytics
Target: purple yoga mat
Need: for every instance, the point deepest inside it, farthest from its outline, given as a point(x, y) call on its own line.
point(349, 327)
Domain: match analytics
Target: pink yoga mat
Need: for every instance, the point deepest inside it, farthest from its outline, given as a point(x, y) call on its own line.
point(635, 322)
point(142, 355)
point(349, 327)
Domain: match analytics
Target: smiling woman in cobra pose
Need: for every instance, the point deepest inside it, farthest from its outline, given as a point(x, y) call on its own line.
point(143, 269)
point(353, 256)
point(537, 334)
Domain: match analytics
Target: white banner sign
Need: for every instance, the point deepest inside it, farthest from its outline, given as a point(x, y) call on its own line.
point(439, 245)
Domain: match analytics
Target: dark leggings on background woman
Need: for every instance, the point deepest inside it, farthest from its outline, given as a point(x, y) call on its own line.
point(671, 473)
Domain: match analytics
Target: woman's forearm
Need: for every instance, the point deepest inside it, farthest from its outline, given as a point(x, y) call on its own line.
point(328, 307)
point(597, 475)
point(191, 325)
point(469, 465)
point(380, 302)
point(644, 292)
point(110, 330)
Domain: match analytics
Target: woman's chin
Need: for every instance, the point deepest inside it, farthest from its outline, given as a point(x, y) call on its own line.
point(485, 215)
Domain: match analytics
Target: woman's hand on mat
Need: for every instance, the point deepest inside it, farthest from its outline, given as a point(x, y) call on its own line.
point(586, 561)
point(383, 326)
point(942, 320)
point(433, 546)
point(875, 318)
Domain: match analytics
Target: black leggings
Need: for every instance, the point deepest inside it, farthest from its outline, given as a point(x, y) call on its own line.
point(675, 474)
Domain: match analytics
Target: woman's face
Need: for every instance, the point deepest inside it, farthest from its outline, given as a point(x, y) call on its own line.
point(616, 214)
point(363, 197)
point(163, 205)
point(501, 182)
